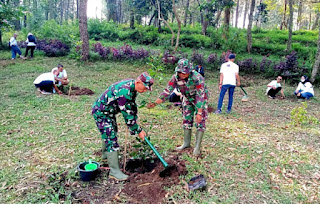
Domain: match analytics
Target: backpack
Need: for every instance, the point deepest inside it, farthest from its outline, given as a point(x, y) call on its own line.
point(9, 45)
point(31, 38)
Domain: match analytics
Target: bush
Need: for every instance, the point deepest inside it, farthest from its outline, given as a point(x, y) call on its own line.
point(53, 48)
point(299, 116)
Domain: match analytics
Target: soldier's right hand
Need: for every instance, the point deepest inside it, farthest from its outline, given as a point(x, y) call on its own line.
point(142, 134)
point(151, 105)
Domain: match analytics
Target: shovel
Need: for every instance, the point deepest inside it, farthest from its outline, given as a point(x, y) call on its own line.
point(244, 98)
point(167, 167)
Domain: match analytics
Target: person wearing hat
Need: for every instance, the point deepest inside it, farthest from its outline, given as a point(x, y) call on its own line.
point(229, 78)
point(304, 89)
point(194, 101)
point(31, 40)
point(119, 97)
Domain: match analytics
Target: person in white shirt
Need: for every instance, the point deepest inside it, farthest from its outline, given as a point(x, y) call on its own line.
point(46, 82)
point(275, 87)
point(304, 89)
point(31, 40)
point(62, 78)
point(229, 78)
point(14, 47)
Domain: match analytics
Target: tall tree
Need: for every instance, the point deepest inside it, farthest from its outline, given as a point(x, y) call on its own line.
point(237, 13)
point(245, 13)
point(290, 25)
point(112, 10)
point(227, 12)
point(316, 65)
point(186, 13)
point(249, 34)
point(179, 24)
point(83, 26)
point(284, 23)
point(16, 22)
point(299, 18)
point(315, 24)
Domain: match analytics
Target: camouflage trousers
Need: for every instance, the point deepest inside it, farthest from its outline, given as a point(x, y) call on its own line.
point(188, 111)
point(108, 128)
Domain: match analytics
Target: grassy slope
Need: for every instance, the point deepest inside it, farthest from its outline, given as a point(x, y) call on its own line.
point(252, 155)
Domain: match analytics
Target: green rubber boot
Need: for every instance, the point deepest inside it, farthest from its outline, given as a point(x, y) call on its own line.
point(113, 163)
point(104, 150)
point(197, 148)
point(186, 140)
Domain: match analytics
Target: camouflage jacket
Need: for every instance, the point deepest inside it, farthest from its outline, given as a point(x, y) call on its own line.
point(119, 97)
point(194, 89)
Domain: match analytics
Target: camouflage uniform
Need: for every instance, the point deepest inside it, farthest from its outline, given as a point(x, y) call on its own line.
point(194, 91)
point(119, 97)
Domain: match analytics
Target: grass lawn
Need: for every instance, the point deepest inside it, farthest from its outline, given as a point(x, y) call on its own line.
point(254, 155)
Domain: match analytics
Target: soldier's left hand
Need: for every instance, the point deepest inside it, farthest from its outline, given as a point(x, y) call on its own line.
point(198, 118)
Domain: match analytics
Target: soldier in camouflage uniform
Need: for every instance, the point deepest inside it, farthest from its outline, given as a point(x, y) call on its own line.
point(119, 97)
point(195, 98)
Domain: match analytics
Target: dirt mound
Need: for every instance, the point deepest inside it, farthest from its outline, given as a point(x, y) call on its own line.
point(149, 186)
point(74, 90)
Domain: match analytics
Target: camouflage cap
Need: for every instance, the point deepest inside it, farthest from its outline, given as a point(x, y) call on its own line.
point(147, 80)
point(183, 66)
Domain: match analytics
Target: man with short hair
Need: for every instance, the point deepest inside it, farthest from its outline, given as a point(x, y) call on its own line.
point(14, 47)
point(62, 78)
point(274, 87)
point(229, 78)
point(119, 97)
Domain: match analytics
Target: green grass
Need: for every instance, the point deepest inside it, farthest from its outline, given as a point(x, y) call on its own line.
point(253, 155)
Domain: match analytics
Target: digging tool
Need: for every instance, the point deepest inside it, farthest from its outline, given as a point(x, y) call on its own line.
point(167, 167)
point(244, 98)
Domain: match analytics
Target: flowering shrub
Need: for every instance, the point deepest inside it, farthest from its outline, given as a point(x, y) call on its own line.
point(168, 58)
point(197, 58)
point(52, 48)
point(103, 51)
point(212, 58)
point(247, 65)
point(289, 69)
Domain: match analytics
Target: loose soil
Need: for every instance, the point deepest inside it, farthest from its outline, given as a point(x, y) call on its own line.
point(144, 184)
point(149, 187)
point(79, 91)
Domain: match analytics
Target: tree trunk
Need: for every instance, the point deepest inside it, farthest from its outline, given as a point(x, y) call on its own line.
point(317, 62)
point(205, 21)
point(290, 25)
point(201, 14)
point(131, 19)
point(237, 13)
point(245, 13)
point(216, 21)
point(179, 25)
point(315, 24)
point(159, 17)
point(283, 24)
point(227, 12)
point(67, 11)
point(310, 18)
point(1, 44)
point(249, 36)
point(152, 18)
point(77, 9)
point(299, 18)
point(83, 26)
point(186, 13)
point(112, 10)
point(61, 11)
point(17, 24)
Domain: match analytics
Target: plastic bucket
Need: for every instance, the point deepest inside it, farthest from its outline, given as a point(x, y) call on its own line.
point(88, 175)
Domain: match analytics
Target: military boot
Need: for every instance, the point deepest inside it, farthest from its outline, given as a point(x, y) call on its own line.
point(104, 150)
point(186, 140)
point(113, 163)
point(197, 148)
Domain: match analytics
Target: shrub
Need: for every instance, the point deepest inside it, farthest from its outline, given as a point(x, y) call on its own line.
point(248, 65)
point(197, 58)
point(53, 48)
point(299, 116)
point(102, 51)
point(169, 58)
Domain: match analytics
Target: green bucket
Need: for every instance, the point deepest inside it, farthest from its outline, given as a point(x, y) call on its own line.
point(90, 166)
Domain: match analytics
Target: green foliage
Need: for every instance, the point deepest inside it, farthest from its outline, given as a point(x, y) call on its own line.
point(141, 150)
point(299, 116)
point(157, 67)
point(103, 30)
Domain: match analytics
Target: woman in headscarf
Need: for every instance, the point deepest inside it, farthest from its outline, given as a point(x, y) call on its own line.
point(31, 40)
point(304, 89)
